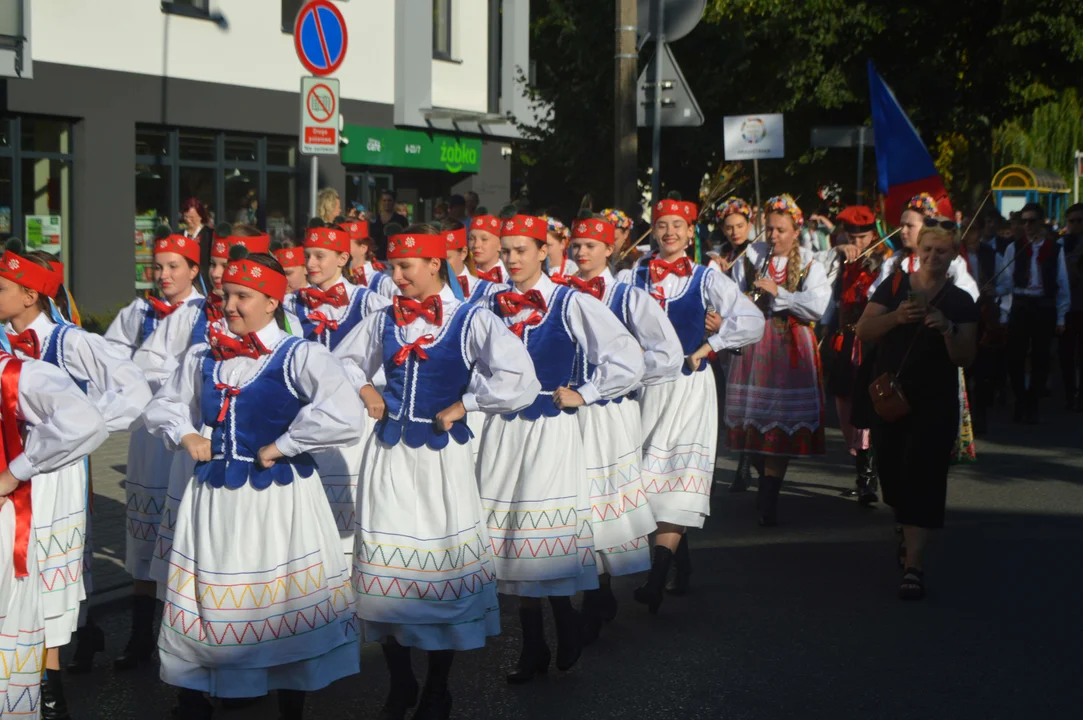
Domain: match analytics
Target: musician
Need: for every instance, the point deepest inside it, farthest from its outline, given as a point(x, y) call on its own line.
point(1070, 347)
point(1038, 285)
point(735, 218)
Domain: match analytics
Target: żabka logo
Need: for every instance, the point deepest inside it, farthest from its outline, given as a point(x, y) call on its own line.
point(456, 155)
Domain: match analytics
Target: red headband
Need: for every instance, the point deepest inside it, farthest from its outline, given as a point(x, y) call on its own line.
point(290, 257)
point(188, 247)
point(598, 230)
point(358, 229)
point(29, 274)
point(456, 239)
point(328, 239)
point(58, 268)
point(258, 277)
point(254, 244)
point(416, 245)
point(680, 208)
point(525, 225)
point(488, 223)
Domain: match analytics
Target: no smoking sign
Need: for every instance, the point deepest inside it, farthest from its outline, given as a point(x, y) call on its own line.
point(319, 116)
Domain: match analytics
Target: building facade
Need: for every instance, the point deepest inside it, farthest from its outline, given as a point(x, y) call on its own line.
point(115, 112)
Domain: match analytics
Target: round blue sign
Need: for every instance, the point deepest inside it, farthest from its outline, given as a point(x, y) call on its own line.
point(320, 37)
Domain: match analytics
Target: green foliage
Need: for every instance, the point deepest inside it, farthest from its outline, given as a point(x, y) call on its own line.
point(1047, 138)
point(98, 323)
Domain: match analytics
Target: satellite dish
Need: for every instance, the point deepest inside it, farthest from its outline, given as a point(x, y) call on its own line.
point(678, 19)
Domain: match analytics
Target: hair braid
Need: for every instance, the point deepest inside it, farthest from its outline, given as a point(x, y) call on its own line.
point(794, 268)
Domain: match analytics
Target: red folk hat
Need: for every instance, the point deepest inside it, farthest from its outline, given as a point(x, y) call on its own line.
point(358, 229)
point(258, 277)
point(680, 208)
point(29, 274)
point(488, 223)
point(254, 244)
point(328, 238)
point(290, 257)
point(410, 245)
point(858, 219)
point(592, 229)
point(456, 239)
point(179, 244)
point(58, 268)
point(525, 225)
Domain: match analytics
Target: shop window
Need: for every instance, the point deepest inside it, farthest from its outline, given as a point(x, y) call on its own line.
point(242, 196)
point(152, 208)
point(198, 146)
point(242, 149)
point(281, 152)
point(290, 8)
point(281, 205)
point(7, 198)
point(441, 29)
point(199, 183)
point(46, 136)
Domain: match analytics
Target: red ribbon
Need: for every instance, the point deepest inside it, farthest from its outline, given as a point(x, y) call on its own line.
point(534, 319)
point(335, 297)
point(407, 310)
point(417, 347)
point(493, 276)
point(26, 342)
point(322, 322)
point(223, 347)
point(379, 266)
point(212, 308)
point(228, 393)
point(359, 277)
point(595, 287)
point(162, 309)
point(512, 302)
point(12, 448)
point(660, 268)
point(659, 294)
point(464, 283)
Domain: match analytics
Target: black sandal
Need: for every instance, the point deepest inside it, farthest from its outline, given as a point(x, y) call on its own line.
point(913, 585)
point(900, 554)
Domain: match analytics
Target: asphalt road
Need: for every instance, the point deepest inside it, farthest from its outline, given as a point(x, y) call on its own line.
point(799, 621)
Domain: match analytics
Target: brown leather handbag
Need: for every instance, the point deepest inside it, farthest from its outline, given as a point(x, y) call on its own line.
point(888, 399)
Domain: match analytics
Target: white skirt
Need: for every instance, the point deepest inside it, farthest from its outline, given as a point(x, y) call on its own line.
point(339, 470)
point(620, 514)
point(145, 485)
point(680, 431)
point(533, 480)
point(59, 507)
point(476, 422)
point(180, 470)
point(22, 631)
point(259, 594)
point(423, 571)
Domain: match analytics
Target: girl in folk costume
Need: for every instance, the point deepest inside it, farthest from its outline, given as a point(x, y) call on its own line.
point(774, 397)
point(612, 434)
point(365, 270)
point(532, 465)
point(556, 247)
point(46, 424)
point(27, 284)
point(259, 596)
point(176, 266)
point(484, 240)
point(292, 259)
point(455, 233)
point(680, 418)
point(423, 568)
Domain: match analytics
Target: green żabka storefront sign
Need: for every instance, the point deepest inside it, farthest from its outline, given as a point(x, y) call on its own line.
point(390, 147)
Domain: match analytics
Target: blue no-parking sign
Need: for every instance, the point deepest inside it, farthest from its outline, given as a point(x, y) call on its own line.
point(319, 34)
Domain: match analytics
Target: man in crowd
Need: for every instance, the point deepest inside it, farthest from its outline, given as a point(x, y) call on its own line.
point(1070, 348)
point(383, 216)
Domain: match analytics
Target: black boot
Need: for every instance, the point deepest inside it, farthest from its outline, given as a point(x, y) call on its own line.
point(191, 705)
point(534, 657)
point(742, 477)
point(435, 699)
point(403, 687)
point(867, 483)
point(682, 569)
point(569, 632)
point(651, 592)
point(291, 704)
point(53, 704)
point(767, 500)
point(599, 607)
point(141, 644)
point(89, 640)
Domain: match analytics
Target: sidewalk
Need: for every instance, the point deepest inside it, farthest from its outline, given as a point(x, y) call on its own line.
point(108, 467)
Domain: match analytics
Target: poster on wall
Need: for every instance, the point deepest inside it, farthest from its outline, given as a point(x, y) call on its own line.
point(43, 233)
point(5, 220)
point(145, 225)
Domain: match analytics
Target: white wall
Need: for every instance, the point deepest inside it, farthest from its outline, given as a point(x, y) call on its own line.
point(130, 36)
point(464, 85)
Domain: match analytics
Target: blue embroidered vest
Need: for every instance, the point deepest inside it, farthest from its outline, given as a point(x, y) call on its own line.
point(687, 311)
point(54, 352)
point(557, 358)
point(484, 290)
point(201, 326)
point(618, 303)
point(355, 313)
point(418, 389)
point(150, 322)
point(258, 415)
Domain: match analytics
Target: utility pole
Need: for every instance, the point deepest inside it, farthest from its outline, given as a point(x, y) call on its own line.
point(625, 136)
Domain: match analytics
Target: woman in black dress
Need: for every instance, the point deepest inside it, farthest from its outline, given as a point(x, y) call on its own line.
point(926, 329)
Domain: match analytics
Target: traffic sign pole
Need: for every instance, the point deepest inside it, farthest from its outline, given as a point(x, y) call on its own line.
point(656, 149)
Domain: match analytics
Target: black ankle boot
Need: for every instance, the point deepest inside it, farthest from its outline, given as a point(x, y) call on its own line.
point(742, 477)
point(434, 705)
point(141, 644)
point(191, 705)
point(599, 608)
point(569, 632)
point(867, 483)
point(767, 500)
point(651, 592)
point(681, 576)
point(534, 657)
point(89, 640)
point(53, 704)
point(402, 694)
point(291, 704)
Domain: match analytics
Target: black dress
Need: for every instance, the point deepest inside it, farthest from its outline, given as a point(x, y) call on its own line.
point(913, 453)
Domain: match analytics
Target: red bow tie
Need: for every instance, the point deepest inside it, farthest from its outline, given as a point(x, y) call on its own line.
point(335, 297)
point(493, 276)
point(378, 266)
point(223, 347)
point(162, 309)
point(213, 307)
point(512, 302)
point(661, 268)
point(26, 342)
point(595, 287)
point(464, 283)
point(659, 294)
point(407, 310)
point(322, 322)
point(359, 277)
point(417, 347)
point(518, 328)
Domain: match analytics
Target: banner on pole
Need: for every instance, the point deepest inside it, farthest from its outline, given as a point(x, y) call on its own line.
point(753, 137)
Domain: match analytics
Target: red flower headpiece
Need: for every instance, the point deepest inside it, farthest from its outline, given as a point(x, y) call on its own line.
point(525, 225)
point(680, 208)
point(456, 239)
point(29, 274)
point(290, 257)
point(258, 277)
point(488, 223)
point(599, 230)
point(923, 203)
point(358, 229)
point(328, 238)
point(254, 244)
point(735, 206)
point(188, 247)
point(410, 245)
point(786, 205)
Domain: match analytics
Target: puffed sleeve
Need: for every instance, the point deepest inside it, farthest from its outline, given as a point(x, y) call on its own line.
point(960, 275)
point(385, 288)
point(127, 327)
point(332, 413)
point(160, 353)
point(62, 425)
point(122, 391)
point(885, 272)
point(503, 379)
point(742, 321)
point(810, 303)
point(624, 276)
point(663, 356)
point(174, 410)
point(377, 300)
point(615, 354)
point(361, 351)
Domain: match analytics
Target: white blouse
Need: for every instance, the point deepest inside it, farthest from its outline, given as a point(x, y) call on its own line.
point(957, 273)
point(811, 301)
point(330, 418)
point(383, 286)
point(62, 425)
point(118, 388)
point(127, 327)
point(502, 380)
point(663, 356)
